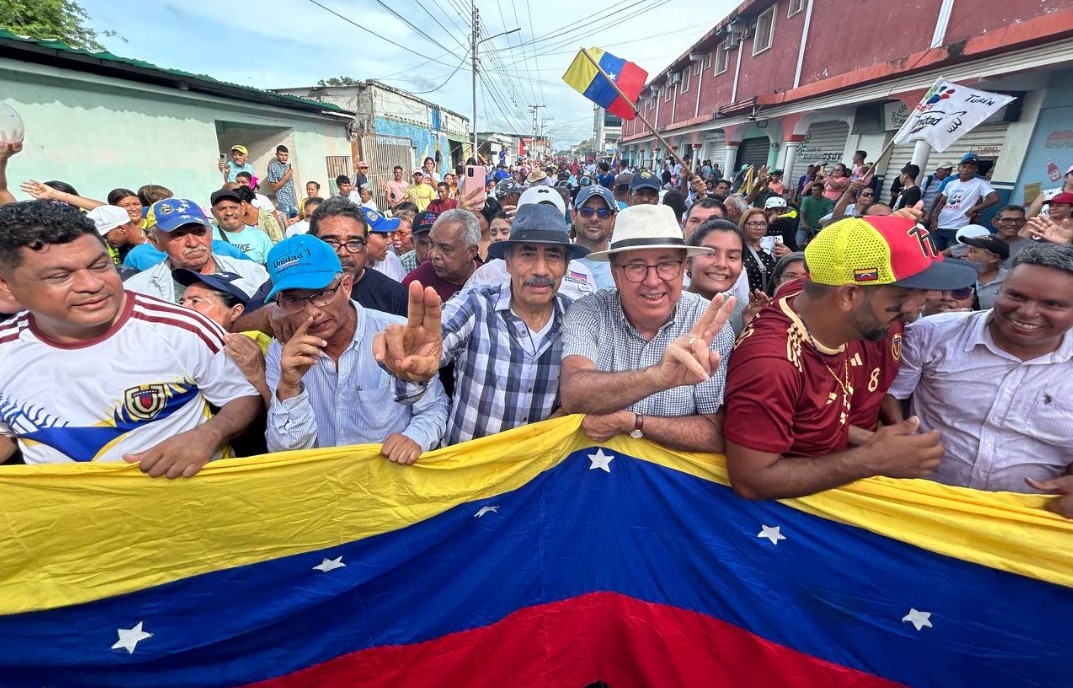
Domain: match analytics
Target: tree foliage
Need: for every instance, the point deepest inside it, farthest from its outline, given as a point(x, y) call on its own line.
point(338, 81)
point(64, 20)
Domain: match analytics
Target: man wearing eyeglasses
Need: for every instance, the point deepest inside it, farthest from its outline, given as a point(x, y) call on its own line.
point(185, 235)
point(646, 358)
point(327, 390)
point(593, 218)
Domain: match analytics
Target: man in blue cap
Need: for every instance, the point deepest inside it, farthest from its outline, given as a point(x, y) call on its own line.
point(185, 235)
point(378, 244)
point(593, 218)
point(505, 341)
point(959, 200)
point(644, 189)
point(327, 390)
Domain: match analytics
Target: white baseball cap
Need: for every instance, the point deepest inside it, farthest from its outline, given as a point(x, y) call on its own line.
point(774, 202)
point(972, 232)
point(543, 194)
point(108, 217)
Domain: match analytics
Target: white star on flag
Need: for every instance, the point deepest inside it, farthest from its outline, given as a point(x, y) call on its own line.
point(130, 637)
point(771, 533)
point(919, 619)
point(486, 510)
point(611, 75)
point(601, 460)
point(330, 565)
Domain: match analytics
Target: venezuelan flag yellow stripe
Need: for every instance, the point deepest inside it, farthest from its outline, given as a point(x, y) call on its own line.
point(581, 72)
point(74, 533)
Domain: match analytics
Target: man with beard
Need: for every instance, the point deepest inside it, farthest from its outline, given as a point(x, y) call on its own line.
point(789, 384)
point(987, 254)
point(185, 235)
point(593, 216)
point(997, 385)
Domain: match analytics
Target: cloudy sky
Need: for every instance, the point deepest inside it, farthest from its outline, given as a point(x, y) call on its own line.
point(290, 43)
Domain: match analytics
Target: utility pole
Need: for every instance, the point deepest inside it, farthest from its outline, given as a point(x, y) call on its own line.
point(535, 109)
point(474, 41)
point(475, 18)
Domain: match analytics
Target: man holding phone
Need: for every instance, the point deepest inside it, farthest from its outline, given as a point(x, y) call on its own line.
point(396, 189)
point(281, 178)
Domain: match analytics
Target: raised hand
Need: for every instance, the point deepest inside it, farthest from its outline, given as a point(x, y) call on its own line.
point(687, 360)
point(412, 352)
point(299, 354)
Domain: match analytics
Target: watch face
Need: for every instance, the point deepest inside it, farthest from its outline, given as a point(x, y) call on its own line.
point(636, 434)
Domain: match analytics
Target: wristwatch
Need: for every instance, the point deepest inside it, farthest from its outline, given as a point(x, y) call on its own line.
point(638, 426)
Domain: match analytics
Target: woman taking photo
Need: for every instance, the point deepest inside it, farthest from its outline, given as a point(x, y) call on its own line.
point(759, 264)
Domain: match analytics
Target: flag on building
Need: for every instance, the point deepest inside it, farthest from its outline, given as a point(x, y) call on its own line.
point(947, 112)
point(526, 559)
point(585, 78)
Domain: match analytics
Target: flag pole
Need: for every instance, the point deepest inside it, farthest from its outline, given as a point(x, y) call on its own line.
point(686, 172)
point(872, 165)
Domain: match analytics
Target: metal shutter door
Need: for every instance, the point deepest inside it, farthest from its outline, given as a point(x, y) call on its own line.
point(825, 142)
point(753, 152)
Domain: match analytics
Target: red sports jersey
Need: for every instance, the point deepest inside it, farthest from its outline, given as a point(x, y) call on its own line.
point(785, 396)
point(871, 380)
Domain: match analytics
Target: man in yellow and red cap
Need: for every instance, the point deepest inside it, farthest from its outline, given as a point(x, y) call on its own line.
point(790, 379)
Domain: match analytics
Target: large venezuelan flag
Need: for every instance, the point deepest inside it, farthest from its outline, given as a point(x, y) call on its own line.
point(583, 77)
point(530, 559)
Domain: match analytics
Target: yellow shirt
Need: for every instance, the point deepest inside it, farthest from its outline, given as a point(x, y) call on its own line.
point(420, 195)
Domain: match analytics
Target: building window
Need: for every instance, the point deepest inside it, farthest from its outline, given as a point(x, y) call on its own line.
point(696, 68)
point(795, 7)
point(685, 79)
point(765, 31)
point(667, 93)
point(722, 60)
point(707, 61)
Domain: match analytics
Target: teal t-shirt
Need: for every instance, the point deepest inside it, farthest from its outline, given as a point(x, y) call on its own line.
point(250, 240)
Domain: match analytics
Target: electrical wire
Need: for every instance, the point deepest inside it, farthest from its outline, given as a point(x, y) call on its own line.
point(406, 21)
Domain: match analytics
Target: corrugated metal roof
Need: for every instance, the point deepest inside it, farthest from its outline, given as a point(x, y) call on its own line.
point(58, 53)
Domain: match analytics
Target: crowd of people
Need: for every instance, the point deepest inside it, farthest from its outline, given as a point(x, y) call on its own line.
point(811, 333)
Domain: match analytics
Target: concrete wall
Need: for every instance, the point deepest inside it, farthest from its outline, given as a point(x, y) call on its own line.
point(1049, 152)
point(97, 133)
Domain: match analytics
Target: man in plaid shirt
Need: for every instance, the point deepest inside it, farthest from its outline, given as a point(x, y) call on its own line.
point(505, 341)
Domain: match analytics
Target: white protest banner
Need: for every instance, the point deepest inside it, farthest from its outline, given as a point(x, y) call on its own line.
point(947, 112)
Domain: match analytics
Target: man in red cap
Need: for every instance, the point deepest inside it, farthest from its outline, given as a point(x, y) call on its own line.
point(789, 381)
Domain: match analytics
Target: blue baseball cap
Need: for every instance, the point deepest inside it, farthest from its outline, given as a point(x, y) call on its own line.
point(601, 191)
point(970, 158)
point(301, 262)
point(644, 180)
point(378, 223)
point(173, 213)
point(220, 281)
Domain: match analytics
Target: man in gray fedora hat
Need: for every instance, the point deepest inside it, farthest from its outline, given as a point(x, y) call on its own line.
point(505, 340)
point(646, 358)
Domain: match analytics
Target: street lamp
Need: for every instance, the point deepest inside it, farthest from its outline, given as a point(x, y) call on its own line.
point(474, 42)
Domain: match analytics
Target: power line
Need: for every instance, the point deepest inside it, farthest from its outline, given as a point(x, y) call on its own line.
point(373, 33)
point(449, 77)
point(406, 21)
point(445, 29)
point(532, 29)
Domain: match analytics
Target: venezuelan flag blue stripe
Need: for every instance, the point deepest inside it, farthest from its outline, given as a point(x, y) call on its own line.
point(600, 91)
point(833, 591)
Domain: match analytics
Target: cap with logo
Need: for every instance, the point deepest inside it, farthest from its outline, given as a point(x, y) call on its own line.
point(378, 223)
point(601, 192)
point(240, 149)
point(877, 251)
point(173, 213)
point(543, 194)
point(1064, 198)
point(970, 159)
point(774, 202)
point(647, 226)
point(301, 262)
point(644, 180)
point(220, 281)
point(538, 223)
point(989, 243)
point(108, 217)
point(423, 221)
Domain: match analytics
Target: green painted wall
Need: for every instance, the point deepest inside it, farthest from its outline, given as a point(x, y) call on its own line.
point(98, 133)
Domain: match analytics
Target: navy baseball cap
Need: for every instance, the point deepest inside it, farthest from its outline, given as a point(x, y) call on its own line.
point(173, 213)
point(301, 262)
point(378, 223)
point(644, 180)
point(423, 221)
point(600, 191)
point(220, 281)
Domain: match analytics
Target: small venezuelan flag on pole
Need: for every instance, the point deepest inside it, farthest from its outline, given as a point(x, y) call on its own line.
point(585, 77)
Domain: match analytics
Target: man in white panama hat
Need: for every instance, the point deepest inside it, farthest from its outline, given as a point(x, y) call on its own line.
point(646, 358)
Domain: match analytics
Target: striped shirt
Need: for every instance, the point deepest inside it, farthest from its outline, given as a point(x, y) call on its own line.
point(151, 376)
point(1001, 419)
point(352, 402)
point(503, 379)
